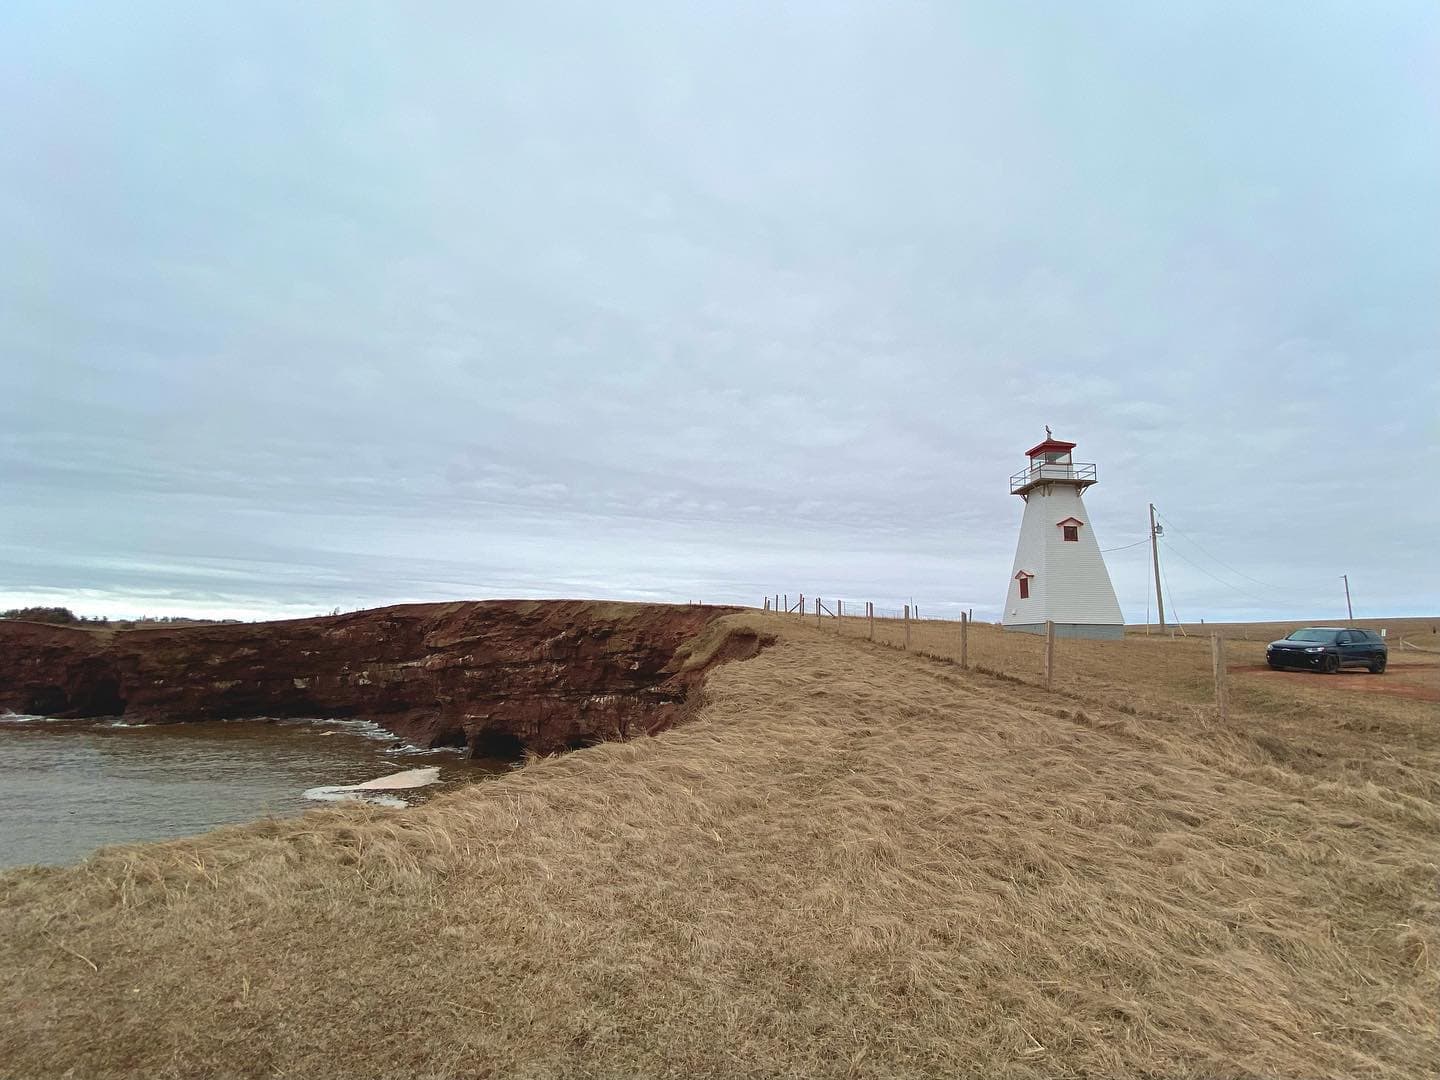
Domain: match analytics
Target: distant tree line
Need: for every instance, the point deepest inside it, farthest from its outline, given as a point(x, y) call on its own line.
point(63, 616)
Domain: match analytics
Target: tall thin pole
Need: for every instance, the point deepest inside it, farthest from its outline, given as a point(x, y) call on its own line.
point(1222, 689)
point(1155, 557)
point(1348, 609)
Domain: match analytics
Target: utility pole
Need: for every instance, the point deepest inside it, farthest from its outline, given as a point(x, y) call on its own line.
point(1155, 558)
point(1348, 609)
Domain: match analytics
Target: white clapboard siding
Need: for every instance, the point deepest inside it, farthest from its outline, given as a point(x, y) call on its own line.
point(1071, 585)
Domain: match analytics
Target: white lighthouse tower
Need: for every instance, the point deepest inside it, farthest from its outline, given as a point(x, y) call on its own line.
point(1059, 573)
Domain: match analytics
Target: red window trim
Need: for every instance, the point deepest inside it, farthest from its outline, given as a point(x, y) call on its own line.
point(1024, 588)
point(1070, 533)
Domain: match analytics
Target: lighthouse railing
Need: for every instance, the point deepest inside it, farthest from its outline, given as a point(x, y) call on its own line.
point(1081, 471)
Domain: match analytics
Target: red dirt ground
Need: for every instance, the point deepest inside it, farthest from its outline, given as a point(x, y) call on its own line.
point(1419, 682)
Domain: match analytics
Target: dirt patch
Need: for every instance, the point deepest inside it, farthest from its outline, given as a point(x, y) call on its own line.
point(1417, 682)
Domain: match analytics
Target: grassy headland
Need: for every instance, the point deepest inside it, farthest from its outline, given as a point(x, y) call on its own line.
point(854, 861)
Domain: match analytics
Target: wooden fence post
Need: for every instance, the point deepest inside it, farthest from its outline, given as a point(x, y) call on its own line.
point(800, 605)
point(870, 614)
point(907, 626)
point(1222, 690)
point(964, 641)
point(817, 612)
point(1049, 653)
point(839, 615)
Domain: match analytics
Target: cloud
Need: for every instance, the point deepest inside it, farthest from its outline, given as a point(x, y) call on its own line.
point(328, 307)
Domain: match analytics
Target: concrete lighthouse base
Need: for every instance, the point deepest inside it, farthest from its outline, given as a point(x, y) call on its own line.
point(1094, 631)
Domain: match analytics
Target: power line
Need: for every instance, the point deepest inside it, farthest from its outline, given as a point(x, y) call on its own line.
point(1122, 547)
point(1227, 566)
point(1248, 596)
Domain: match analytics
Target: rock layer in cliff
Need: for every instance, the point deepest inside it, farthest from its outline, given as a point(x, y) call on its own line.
point(497, 677)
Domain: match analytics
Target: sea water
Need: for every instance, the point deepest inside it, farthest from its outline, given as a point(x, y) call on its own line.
point(68, 787)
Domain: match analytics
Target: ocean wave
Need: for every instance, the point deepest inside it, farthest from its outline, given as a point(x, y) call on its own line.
point(74, 721)
point(411, 750)
point(365, 729)
point(368, 729)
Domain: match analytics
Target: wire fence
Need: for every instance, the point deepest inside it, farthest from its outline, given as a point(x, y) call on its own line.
point(846, 607)
point(1155, 674)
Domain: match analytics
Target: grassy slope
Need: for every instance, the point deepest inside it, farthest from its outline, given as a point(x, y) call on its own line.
point(856, 862)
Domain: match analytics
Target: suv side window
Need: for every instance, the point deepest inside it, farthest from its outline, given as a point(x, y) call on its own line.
point(1345, 637)
point(1372, 636)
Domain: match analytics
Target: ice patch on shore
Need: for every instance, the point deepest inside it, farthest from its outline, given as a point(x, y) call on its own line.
point(345, 794)
point(371, 790)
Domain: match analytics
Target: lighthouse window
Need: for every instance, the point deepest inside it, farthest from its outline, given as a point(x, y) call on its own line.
point(1071, 532)
point(1024, 588)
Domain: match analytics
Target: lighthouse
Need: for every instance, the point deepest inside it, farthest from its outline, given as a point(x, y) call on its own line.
point(1059, 574)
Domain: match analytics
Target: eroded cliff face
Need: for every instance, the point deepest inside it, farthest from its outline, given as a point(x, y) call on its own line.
point(498, 677)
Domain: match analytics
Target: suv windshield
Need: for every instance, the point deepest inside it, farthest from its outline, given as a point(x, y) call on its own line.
point(1326, 636)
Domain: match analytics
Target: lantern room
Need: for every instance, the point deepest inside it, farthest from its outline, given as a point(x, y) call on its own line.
point(1051, 463)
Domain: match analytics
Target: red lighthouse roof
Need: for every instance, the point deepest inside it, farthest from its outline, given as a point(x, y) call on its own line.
point(1050, 446)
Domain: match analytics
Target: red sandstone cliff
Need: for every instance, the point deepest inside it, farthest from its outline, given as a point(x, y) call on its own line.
point(497, 676)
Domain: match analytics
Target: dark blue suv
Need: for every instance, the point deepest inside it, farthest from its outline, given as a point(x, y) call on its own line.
point(1328, 649)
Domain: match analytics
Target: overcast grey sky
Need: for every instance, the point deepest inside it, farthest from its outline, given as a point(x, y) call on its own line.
point(317, 305)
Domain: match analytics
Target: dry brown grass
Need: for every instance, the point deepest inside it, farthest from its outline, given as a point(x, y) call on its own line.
point(1327, 723)
point(855, 862)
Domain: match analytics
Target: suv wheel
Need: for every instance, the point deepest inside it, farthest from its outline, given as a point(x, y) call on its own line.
point(1332, 665)
point(1377, 668)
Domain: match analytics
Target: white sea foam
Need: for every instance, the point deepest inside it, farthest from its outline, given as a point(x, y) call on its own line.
point(366, 729)
point(82, 721)
point(411, 750)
